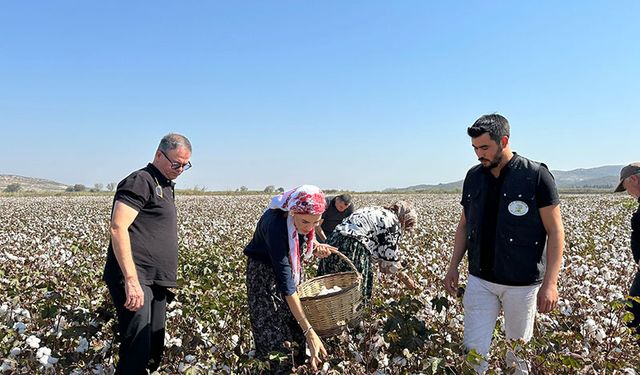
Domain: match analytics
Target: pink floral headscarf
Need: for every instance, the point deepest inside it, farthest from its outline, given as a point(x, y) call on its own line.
point(305, 200)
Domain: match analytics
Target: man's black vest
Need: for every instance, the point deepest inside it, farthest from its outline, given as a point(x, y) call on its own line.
point(520, 236)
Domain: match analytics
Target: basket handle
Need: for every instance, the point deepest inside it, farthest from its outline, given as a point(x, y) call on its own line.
point(346, 259)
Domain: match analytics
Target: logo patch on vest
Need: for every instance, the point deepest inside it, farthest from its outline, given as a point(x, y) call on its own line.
point(518, 208)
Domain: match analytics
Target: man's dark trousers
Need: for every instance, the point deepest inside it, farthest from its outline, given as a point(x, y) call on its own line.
point(142, 331)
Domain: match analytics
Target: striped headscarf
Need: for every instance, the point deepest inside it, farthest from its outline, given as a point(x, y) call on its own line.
point(304, 200)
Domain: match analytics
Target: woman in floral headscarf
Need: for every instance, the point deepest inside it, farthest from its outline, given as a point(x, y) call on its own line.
point(371, 234)
point(284, 237)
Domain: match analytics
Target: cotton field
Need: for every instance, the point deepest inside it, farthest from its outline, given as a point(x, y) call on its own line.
point(56, 317)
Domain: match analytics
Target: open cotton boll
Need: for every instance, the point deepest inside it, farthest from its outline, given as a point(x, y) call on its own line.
point(325, 291)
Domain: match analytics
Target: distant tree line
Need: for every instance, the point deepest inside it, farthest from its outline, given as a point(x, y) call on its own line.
point(96, 187)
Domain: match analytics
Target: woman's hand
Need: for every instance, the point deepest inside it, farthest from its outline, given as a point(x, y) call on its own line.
point(322, 250)
point(407, 281)
point(316, 349)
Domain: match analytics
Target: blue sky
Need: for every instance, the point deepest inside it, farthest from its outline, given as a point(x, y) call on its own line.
point(359, 95)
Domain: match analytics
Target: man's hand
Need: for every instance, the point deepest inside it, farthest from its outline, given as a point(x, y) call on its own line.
point(451, 281)
point(547, 298)
point(134, 295)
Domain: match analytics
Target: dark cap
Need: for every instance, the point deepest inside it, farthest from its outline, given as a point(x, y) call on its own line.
point(626, 172)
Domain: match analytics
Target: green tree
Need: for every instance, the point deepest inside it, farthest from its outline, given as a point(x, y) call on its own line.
point(77, 188)
point(269, 189)
point(13, 188)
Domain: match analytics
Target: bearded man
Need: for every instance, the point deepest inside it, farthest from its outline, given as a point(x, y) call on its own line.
point(512, 230)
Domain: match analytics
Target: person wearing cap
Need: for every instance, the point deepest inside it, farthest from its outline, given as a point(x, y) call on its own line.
point(512, 231)
point(283, 239)
point(630, 181)
point(338, 208)
point(371, 235)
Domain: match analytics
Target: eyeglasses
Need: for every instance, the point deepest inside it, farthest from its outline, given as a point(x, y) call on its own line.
point(176, 165)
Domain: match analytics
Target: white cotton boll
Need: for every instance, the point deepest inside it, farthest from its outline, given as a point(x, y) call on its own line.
point(406, 353)
point(234, 339)
point(83, 345)
point(325, 367)
point(6, 366)
point(33, 342)
point(599, 306)
point(176, 341)
point(383, 360)
point(181, 367)
point(44, 351)
point(15, 352)
point(189, 358)
point(565, 308)
point(4, 309)
point(617, 340)
point(600, 335)
point(44, 357)
point(44, 360)
point(20, 327)
point(589, 326)
point(221, 323)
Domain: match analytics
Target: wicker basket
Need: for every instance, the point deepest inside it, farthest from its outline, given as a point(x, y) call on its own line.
point(329, 314)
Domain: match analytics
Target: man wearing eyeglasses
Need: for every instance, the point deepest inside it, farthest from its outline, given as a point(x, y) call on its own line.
point(142, 259)
point(630, 181)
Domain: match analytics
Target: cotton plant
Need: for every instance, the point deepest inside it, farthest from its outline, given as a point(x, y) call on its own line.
point(52, 250)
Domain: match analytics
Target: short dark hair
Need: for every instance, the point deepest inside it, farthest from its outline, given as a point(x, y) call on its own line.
point(345, 198)
point(172, 141)
point(496, 125)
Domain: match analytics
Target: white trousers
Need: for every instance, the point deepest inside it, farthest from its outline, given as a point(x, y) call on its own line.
point(482, 302)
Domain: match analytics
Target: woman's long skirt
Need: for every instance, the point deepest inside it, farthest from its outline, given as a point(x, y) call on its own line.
point(357, 253)
point(272, 322)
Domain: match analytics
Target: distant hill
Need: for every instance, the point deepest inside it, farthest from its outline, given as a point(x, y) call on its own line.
point(598, 178)
point(605, 177)
point(31, 183)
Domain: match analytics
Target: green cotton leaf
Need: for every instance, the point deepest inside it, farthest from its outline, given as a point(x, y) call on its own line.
point(619, 304)
point(570, 362)
point(627, 317)
point(633, 298)
point(277, 356)
point(49, 311)
point(473, 357)
point(439, 303)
